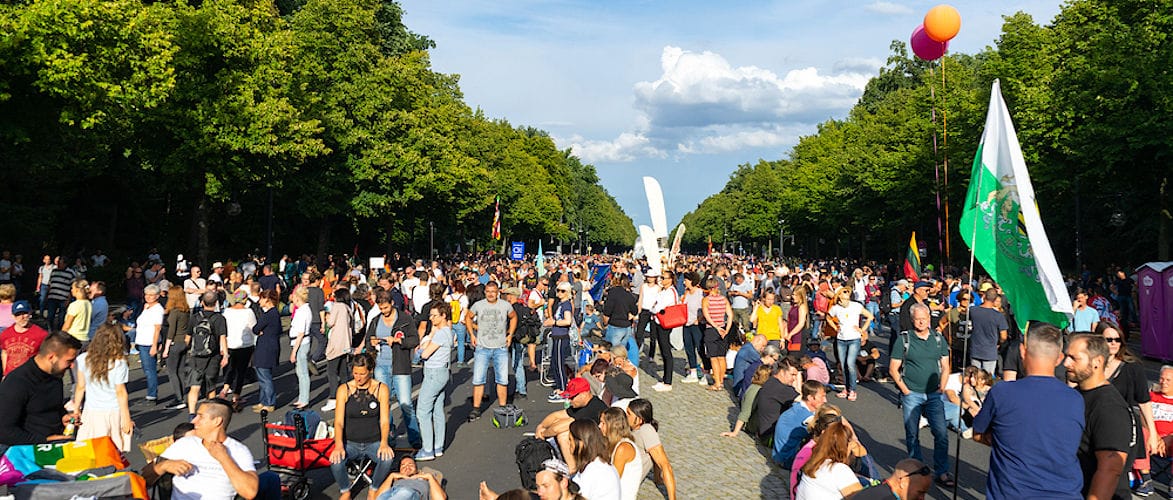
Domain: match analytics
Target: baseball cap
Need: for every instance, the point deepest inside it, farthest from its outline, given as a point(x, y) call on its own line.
point(985, 286)
point(576, 386)
point(923, 284)
point(217, 264)
point(514, 291)
point(21, 307)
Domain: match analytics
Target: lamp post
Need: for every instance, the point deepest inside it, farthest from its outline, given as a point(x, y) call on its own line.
point(431, 240)
point(781, 239)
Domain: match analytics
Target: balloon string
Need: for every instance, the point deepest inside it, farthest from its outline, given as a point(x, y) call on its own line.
point(936, 170)
point(945, 154)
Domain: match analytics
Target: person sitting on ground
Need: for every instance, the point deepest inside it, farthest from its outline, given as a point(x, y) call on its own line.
point(865, 363)
point(747, 357)
point(776, 396)
point(645, 430)
point(828, 473)
point(362, 424)
point(624, 453)
point(408, 482)
point(791, 429)
point(553, 484)
point(828, 414)
point(815, 368)
point(597, 479)
point(769, 355)
point(583, 406)
point(33, 394)
point(910, 481)
point(1162, 401)
point(209, 464)
point(745, 418)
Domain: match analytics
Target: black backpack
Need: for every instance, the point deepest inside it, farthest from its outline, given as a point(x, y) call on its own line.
point(204, 343)
point(531, 452)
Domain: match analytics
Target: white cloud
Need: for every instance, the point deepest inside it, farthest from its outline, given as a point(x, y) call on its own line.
point(888, 8)
point(703, 104)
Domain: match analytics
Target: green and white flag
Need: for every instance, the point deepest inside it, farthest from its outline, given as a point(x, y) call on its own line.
point(1001, 224)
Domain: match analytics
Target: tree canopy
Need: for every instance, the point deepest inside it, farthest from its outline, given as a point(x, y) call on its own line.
point(128, 124)
point(1090, 96)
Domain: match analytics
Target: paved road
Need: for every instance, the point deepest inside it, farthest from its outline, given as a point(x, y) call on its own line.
point(707, 466)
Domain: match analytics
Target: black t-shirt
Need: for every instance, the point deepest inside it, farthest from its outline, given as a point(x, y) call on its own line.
point(317, 303)
point(1130, 380)
point(592, 411)
point(269, 282)
point(1124, 287)
point(773, 398)
point(1109, 428)
point(618, 305)
point(878, 492)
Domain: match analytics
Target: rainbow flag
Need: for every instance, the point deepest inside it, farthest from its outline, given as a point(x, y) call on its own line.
point(912, 260)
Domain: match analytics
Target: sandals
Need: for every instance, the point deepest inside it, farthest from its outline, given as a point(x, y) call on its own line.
point(946, 480)
point(716, 388)
point(851, 396)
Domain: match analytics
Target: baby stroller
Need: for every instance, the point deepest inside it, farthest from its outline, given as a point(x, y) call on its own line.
point(291, 454)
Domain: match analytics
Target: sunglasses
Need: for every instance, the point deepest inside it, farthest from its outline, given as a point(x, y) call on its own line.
point(1113, 340)
point(923, 471)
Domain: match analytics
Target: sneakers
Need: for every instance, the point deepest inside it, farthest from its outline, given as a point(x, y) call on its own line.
point(1145, 489)
point(703, 380)
point(691, 378)
point(924, 422)
point(438, 453)
point(661, 387)
point(180, 406)
point(424, 456)
point(555, 398)
point(967, 434)
point(842, 394)
point(474, 414)
point(330, 405)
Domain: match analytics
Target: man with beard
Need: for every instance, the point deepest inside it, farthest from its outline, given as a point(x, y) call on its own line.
point(1107, 438)
point(34, 403)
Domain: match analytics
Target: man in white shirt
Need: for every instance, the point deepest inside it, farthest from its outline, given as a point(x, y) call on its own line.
point(194, 286)
point(217, 270)
point(740, 293)
point(209, 464)
point(99, 259)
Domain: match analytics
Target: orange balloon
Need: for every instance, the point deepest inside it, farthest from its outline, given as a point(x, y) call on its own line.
point(942, 23)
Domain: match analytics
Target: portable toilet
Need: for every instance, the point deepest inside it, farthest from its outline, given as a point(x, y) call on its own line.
point(1155, 293)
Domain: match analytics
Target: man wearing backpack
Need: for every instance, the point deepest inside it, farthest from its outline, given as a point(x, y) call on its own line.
point(920, 368)
point(207, 343)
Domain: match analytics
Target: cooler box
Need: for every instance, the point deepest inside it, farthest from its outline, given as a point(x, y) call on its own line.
point(1154, 289)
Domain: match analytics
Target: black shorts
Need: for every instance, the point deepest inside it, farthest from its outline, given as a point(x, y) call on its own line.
point(715, 345)
point(205, 372)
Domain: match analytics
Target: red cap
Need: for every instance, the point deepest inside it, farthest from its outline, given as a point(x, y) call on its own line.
point(575, 387)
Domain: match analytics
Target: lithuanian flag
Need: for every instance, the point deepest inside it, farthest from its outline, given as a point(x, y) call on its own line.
point(912, 260)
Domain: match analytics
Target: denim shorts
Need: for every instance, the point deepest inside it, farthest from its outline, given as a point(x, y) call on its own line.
point(500, 359)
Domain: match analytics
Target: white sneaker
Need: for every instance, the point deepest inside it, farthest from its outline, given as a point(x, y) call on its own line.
point(690, 378)
point(924, 422)
point(661, 387)
point(330, 405)
point(967, 434)
point(703, 380)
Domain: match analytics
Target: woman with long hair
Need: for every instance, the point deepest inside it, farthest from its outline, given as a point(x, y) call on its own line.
point(1127, 374)
point(79, 312)
point(299, 330)
point(624, 453)
point(339, 335)
point(718, 314)
point(693, 335)
point(825, 416)
point(844, 315)
point(828, 473)
point(645, 431)
point(101, 389)
point(796, 320)
point(174, 349)
point(268, 351)
point(596, 478)
point(759, 377)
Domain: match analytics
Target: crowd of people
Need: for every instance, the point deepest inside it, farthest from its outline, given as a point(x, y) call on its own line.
point(779, 338)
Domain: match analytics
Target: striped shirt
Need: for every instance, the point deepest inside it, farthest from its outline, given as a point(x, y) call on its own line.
point(59, 284)
point(717, 308)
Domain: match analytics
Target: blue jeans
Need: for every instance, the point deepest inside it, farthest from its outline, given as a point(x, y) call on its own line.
point(953, 415)
point(845, 354)
point(461, 333)
point(400, 493)
point(303, 372)
point(816, 325)
point(914, 405)
point(518, 363)
point(150, 370)
point(268, 393)
point(873, 308)
point(401, 385)
point(692, 345)
point(383, 375)
point(430, 409)
point(355, 451)
point(44, 294)
point(632, 351)
point(617, 335)
point(500, 359)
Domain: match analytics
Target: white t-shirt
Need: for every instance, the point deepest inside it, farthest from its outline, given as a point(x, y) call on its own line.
point(300, 323)
point(420, 297)
point(408, 286)
point(98, 260)
point(144, 330)
point(215, 277)
point(953, 383)
point(207, 479)
point(848, 317)
point(5, 269)
point(648, 295)
point(598, 481)
point(737, 301)
point(193, 298)
point(101, 395)
point(830, 478)
point(240, 327)
point(44, 271)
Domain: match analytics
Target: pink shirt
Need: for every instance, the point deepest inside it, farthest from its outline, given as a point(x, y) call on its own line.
point(818, 371)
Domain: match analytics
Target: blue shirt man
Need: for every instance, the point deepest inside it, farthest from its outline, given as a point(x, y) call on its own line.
point(99, 307)
point(791, 431)
point(747, 356)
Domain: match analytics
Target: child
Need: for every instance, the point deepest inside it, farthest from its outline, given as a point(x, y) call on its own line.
point(591, 322)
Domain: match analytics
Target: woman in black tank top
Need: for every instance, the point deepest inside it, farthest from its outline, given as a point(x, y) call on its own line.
point(362, 424)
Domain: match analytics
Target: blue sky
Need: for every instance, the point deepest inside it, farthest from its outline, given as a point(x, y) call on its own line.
point(680, 90)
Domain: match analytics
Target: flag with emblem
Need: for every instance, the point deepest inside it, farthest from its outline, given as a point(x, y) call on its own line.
point(497, 219)
point(1002, 226)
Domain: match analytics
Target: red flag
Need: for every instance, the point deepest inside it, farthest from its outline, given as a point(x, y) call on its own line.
point(497, 220)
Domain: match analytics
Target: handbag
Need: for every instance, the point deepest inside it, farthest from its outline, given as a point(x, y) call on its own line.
point(673, 316)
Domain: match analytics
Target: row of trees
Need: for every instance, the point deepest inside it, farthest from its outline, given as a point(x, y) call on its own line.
point(126, 124)
point(1091, 97)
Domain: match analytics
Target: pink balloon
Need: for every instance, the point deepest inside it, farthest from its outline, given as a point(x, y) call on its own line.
point(926, 48)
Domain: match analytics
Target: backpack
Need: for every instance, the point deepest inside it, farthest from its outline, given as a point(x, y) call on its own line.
point(822, 303)
point(530, 454)
point(309, 421)
point(455, 305)
point(204, 343)
point(508, 416)
point(904, 339)
point(885, 301)
point(358, 324)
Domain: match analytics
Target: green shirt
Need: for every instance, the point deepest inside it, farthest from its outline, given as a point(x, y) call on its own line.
point(922, 362)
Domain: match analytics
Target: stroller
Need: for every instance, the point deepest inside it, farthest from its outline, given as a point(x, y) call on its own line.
point(291, 454)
